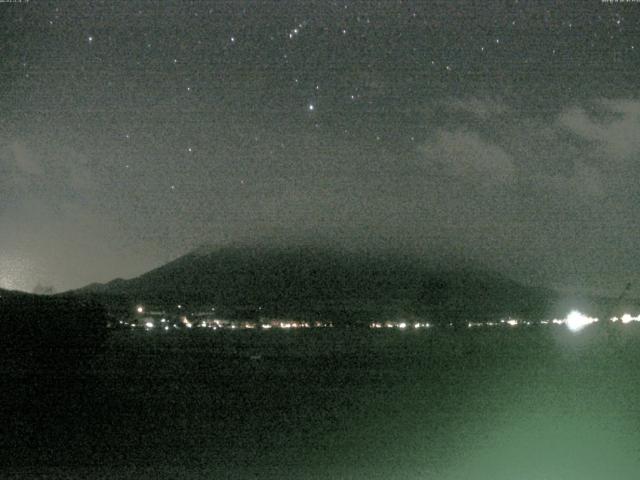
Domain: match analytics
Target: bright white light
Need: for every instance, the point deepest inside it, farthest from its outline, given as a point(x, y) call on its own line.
point(627, 318)
point(512, 322)
point(140, 309)
point(312, 107)
point(576, 321)
point(166, 328)
point(266, 327)
point(149, 324)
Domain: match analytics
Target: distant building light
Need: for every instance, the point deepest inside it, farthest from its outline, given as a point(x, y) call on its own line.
point(140, 309)
point(149, 324)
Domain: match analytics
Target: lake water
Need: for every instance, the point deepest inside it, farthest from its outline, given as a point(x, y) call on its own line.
point(525, 403)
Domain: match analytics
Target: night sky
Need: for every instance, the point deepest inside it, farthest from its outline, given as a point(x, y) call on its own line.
point(505, 132)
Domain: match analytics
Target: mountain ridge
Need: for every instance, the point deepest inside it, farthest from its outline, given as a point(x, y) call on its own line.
point(309, 280)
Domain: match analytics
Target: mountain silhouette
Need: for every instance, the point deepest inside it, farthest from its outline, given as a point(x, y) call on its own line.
point(328, 282)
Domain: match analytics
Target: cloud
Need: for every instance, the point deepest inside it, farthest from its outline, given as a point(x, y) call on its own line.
point(40, 171)
point(466, 156)
point(570, 157)
point(616, 136)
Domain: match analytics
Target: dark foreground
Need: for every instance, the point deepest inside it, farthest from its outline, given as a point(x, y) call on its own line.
point(524, 403)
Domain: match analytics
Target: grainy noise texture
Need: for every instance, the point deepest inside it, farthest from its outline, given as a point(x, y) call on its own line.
point(502, 132)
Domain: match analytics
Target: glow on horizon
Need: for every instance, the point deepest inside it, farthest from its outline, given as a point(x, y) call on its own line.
point(17, 273)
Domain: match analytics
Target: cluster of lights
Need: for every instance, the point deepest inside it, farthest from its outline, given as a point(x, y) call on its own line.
point(626, 318)
point(574, 321)
point(149, 323)
point(400, 325)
